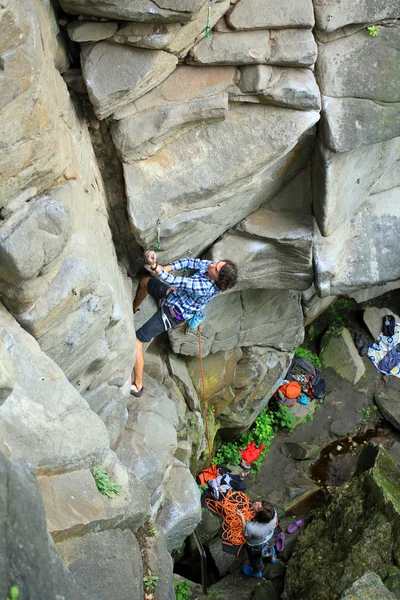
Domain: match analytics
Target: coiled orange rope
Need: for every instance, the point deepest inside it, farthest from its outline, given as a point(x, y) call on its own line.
point(232, 530)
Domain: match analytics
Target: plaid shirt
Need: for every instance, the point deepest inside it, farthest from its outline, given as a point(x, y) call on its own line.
point(192, 293)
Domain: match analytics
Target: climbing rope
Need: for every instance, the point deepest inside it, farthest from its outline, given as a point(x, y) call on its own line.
point(158, 234)
point(208, 26)
point(203, 393)
point(232, 530)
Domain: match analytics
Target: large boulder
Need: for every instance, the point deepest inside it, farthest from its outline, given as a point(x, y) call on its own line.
point(357, 532)
point(388, 403)
point(101, 562)
point(164, 11)
point(290, 88)
point(36, 146)
point(352, 11)
point(181, 511)
point(369, 587)
point(142, 135)
point(340, 354)
point(116, 75)
point(44, 417)
point(283, 47)
point(74, 506)
point(373, 319)
point(271, 249)
point(266, 318)
point(258, 14)
point(343, 181)
point(244, 180)
point(362, 251)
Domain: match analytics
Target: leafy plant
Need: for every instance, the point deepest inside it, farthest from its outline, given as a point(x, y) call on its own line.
point(367, 411)
point(13, 593)
point(228, 455)
point(304, 353)
point(373, 31)
point(284, 417)
point(104, 484)
point(152, 528)
point(182, 590)
point(150, 581)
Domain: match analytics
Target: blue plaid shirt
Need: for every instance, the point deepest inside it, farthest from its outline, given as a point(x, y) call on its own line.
point(192, 293)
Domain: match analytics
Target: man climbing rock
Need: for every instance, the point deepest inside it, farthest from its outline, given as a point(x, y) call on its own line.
point(186, 298)
point(257, 533)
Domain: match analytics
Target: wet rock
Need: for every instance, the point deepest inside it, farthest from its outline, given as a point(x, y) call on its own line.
point(256, 14)
point(284, 47)
point(116, 75)
point(388, 403)
point(368, 587)
point(300, 451)
point(352, 11)
point(119, 550)
point(181, 511)
point(339, 353)
point(166, 11)
point(356, 533)
point(245, 181)
point(90, 31)
point(142, 135)
point(373, 319)
point(341, 427)
point(291, 88)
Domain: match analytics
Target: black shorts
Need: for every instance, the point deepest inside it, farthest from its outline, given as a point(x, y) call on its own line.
point(163, 319)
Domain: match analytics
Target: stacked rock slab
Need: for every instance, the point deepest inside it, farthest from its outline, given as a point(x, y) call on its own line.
point(356, 168)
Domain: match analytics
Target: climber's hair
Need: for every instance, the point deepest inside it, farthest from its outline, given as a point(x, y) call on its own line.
point(266, 513)
point(227, 277)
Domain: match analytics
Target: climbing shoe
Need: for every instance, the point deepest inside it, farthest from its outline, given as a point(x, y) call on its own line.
point(364, 349)
point(250, 573)
point(358, 340)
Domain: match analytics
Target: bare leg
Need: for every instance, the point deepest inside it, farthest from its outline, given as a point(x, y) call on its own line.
point(141, 293)
point(139, 366)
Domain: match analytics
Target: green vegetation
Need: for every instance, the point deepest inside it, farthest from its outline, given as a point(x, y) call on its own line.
point(150, 581)
point(104, 485)
point(373, 31)
point(262, 432)
point(182, 590)
point(13, 593)
point(152, 528)
point(304, 353)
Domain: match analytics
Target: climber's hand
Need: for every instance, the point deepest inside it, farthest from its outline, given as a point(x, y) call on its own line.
point(151, 258)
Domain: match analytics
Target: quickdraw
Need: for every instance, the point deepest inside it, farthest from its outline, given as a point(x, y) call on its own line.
point(208, 26)
point(158, 234)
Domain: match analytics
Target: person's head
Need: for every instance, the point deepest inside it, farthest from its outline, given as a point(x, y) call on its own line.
point(224, 273)
point(264, 510)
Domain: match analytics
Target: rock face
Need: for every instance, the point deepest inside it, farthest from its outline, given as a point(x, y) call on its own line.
point(368, 587)
point(360, 524)
point(340, 354)
point(256, 14)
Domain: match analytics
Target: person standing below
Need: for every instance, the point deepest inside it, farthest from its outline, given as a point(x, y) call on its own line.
point(187, 297)
point(257, 533)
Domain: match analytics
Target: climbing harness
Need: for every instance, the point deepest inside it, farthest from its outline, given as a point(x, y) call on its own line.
point(158, 234)
point(208, 26)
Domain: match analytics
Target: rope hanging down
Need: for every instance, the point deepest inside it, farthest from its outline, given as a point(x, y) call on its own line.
point(208, 26)
point(203, 393)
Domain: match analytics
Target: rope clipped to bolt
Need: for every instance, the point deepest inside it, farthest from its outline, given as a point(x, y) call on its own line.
point(208, 26)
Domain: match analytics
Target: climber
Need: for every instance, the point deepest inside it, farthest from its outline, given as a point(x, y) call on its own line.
point(257, 533)
point(186, 298)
